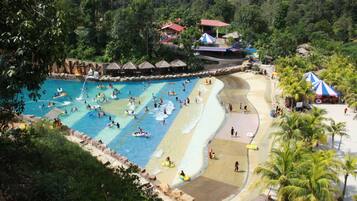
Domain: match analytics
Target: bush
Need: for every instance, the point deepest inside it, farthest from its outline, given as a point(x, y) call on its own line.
point(40, 164)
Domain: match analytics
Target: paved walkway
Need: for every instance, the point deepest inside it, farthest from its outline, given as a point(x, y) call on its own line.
point(260, 95)
point(349, 144)
point(219, 180)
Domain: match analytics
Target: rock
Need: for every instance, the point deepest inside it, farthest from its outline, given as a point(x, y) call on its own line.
point(165, 188)
point(152, 177)
point(176, 193)
point(186, 197)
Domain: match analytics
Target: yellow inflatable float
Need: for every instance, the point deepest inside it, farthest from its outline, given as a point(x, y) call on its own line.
point(168, 164)
point(185, 178)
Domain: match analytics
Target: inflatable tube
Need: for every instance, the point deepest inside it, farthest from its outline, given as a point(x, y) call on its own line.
point(185, 178)
point(113, 96)
point(59, 90)
point(140, 134)
point(167, 164)
point(318, 101)
point(61, 94)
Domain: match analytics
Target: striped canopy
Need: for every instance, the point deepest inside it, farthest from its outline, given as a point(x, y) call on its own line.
point(323, 89)
point(207, 39)
point(311, 77)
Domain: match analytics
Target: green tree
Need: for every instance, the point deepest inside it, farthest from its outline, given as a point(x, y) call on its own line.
point(281, 166)
point(134, 32)
point(343, 28)
point(289, 127)
point(41, 164)
point(336, 129)
point(317, 179)
point(248, 19)
point(348, 168)
point(188, 40)
point(222, 9)
point(31, 39)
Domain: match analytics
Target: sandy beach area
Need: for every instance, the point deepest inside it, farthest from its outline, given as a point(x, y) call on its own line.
point(178, 138)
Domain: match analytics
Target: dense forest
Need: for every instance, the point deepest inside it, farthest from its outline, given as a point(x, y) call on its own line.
point(121, 30)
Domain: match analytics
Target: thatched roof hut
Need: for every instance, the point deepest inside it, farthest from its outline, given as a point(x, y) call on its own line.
point(129, 66)
point(146, 65)
point(113, 66)
point(162, 64)
point(178, 63)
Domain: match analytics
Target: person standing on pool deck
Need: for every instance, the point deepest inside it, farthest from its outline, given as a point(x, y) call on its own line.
point(232, 131)
point(236, 167)
point(230, 107)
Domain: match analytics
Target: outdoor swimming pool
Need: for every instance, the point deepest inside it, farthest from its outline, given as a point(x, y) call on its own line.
point(146, 94)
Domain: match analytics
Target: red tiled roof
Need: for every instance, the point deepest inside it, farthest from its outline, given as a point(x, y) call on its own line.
point(213, 23)
point(174, 27)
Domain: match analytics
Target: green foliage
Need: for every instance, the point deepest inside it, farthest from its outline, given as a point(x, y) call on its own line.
point(188, 39)
point(296, 167)
point(249, 21)
point(31, 39)
point(40, 164)
point(342, 75)
point(349, 169)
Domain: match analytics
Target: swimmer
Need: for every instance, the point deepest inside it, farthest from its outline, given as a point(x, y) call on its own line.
point(118, 125)
point(182, 174)
point(110, 85)
point(146, 109)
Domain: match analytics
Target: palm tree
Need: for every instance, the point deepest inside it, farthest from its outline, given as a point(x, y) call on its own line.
point(341, 134)
point(336, 129)
point(278, 171)
point(289, 127)
point(313, 129)
point(348, 168)
point(317, 178)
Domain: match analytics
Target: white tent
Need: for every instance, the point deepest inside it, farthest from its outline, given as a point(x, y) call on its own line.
point(207, 39)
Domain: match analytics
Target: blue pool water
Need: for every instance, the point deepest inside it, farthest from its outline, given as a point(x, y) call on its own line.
point(137, 149)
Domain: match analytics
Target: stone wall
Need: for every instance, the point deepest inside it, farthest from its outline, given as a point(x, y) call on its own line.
point(76, 67)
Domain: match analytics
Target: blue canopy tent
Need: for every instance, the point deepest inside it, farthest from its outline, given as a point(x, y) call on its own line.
point(311, 77)
point(323, 89)
point(207, 39)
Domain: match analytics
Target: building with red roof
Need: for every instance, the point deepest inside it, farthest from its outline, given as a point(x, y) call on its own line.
point(174, 27)
point(170, 31)
point(213, 23)
point(208, 26)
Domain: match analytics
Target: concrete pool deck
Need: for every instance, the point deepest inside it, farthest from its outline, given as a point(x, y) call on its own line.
point(348, 144)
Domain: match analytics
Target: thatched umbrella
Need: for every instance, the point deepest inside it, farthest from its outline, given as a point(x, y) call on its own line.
point(129, 66)
point(113, 66)
point(162, 64)
point(146, 65)
point(178, 63)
